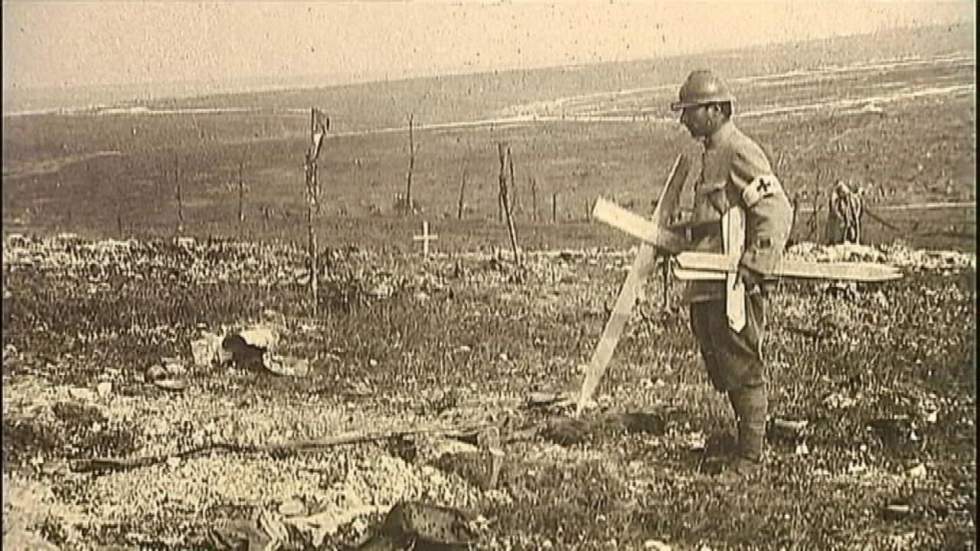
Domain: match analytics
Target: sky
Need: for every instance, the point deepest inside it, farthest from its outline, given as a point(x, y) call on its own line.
point(79, 43)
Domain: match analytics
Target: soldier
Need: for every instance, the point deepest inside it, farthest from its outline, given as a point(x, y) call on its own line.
point(734, 171)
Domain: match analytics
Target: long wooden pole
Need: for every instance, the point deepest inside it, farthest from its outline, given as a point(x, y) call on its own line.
point(311, 207)
point(534, 199)
point(241, 193)
point(462, 189)
point(512, 194)
point(180, 202)
point(505, 201)
point(409, 205)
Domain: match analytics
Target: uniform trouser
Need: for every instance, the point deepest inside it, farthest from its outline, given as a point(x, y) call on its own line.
point(734, 364)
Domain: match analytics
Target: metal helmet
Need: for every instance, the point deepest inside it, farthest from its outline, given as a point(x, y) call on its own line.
point(700, 88)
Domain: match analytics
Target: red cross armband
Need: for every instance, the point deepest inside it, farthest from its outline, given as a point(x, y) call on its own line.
point(763, 186)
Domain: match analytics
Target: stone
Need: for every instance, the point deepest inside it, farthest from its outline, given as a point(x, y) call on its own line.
point(154, 372)
point(205, 350)
point(292, 508)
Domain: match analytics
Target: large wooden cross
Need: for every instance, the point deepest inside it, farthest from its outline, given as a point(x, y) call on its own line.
point(658, 235)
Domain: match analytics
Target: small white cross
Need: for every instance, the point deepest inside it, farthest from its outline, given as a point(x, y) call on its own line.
point(425, 238)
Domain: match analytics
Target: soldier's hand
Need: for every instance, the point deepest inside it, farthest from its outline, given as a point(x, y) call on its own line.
point(750, 278)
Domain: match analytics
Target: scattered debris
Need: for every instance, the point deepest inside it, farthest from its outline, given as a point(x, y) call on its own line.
point(896, 511)
point(567, 431)
point(636, 422)
point(82, 394)
point(286, 366)
point(173, 385)
point(418, 525)
point(836, 400)
point(919, 471)
point(19, 538)
point(894, 431)
point(248, 347)
point(207, 350)
point(292, 447)
point(786, 430)
point(292, 508)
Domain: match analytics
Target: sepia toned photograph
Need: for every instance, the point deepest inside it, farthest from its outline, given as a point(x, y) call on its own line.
point(473, 275)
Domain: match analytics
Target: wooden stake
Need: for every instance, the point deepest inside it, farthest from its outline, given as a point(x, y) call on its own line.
point(505, 201)
point(318, 129)
point(241, 193)
point(180, 202)
point(554, 208)
point(409, 206)
point(513, 197)
point(534, 199)
point(462, 189)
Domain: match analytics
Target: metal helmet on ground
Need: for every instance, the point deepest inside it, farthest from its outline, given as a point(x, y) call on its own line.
point(700, 88)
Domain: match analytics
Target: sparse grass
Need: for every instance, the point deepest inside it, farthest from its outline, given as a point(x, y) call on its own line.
point(477, 332)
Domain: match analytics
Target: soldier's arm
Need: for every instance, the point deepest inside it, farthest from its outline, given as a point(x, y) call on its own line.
point(768, 210)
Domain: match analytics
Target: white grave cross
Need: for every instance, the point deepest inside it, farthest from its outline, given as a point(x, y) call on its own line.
point(425, 238)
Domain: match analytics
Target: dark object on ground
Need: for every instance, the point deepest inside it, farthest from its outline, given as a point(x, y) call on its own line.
point(416, 525)
point(786, 430)
point(637, 422)
point(243, 355)
point(894, 432)
point(567, 431)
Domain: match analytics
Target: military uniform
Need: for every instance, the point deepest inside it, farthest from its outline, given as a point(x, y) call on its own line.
point(736, 172)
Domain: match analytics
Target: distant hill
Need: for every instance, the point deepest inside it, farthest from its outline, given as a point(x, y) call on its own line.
point(484, 95)
point(371, 105)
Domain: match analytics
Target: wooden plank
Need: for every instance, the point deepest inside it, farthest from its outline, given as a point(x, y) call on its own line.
point(845, 271)
point(733, 240)
point(684, 274)
point(643, 264)
point(639, 227)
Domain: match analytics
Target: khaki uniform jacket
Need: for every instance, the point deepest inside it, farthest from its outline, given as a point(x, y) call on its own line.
point(735, 171)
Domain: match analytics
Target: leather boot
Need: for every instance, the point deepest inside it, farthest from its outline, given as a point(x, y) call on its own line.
point(750, 405)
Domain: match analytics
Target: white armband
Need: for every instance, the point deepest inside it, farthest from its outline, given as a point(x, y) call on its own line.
point(763, 186)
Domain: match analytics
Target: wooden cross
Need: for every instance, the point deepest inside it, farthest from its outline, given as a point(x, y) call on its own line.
point(658, 235)
point(425, 238)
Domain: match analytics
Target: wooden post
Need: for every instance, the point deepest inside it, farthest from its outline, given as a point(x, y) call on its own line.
point(500, 207)
point(319, 124)
point(180, 201)
point(409, 205)
point(503, 151)
point(512, 195)
point(554, 208)
point(462, 189)
point(534, 199)
point(241, 194)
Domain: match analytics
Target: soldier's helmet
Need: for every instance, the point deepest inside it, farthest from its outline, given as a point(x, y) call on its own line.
point(700, 88)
